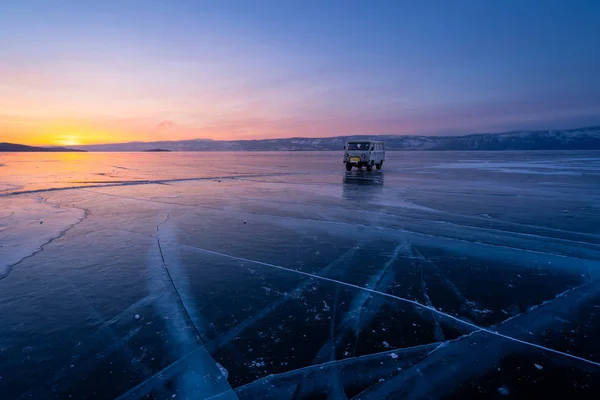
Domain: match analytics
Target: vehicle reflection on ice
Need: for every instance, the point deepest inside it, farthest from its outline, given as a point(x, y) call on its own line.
point(364, 178)
point(362, 185)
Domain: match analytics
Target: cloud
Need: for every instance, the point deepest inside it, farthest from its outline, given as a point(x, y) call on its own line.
point(165, 124)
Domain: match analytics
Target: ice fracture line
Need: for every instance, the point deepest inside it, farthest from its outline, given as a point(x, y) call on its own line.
point(491, 332)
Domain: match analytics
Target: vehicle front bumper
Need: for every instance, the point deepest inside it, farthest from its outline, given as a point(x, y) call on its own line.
point(354, 160)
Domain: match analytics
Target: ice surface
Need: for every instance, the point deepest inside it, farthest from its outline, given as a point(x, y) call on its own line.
point(279, 275)
point(27, 225)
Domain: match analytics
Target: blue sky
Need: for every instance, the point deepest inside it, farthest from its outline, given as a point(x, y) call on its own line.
point(99, 71)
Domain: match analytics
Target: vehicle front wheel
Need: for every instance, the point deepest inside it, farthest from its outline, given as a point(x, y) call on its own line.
point(378, 166)
point(348, 167)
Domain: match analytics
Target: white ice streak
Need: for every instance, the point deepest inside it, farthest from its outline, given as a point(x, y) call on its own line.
point(205, 378)
point(227, 337)
point(356, 317)
point(316, 379)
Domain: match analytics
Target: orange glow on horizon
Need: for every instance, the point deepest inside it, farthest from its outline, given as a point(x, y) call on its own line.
point(37, 131)
point(70, 134)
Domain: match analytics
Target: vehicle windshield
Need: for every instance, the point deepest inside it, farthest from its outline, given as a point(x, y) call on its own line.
point(357, 146)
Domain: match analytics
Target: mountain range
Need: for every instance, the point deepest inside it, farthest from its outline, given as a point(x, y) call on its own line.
point(570, 139)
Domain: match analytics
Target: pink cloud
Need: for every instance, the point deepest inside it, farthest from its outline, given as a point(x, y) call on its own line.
point(166, 124)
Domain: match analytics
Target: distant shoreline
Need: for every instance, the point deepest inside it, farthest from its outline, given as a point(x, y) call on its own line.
point(587, 138)
point(287, 151)
point(21, 148)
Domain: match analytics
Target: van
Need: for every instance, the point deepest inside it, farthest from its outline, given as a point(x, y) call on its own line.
point(364, 153)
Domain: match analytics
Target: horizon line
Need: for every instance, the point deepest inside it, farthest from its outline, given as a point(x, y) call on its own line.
point(594, 126)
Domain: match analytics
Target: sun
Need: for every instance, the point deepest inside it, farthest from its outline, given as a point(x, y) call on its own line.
point(68, 140)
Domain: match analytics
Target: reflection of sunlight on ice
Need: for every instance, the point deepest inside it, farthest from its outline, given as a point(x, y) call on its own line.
point(71, 157)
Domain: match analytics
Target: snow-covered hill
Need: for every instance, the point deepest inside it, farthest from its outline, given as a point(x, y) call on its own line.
point(572, 139)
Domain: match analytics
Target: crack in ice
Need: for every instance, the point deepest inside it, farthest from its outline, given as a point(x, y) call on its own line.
point(10, 268)
point(227, 337)
point(164, 373)
point(461, 298)
point(438, 333)
point(350, 361)
point(185, 310)
point(379, 280)
point(405, 300)
point(342, 223)
point(466, 361)
point(141, 182)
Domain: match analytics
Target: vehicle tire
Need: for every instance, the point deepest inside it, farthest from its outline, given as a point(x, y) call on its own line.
point(378, 166)
point(369, 167)
point(348, 167)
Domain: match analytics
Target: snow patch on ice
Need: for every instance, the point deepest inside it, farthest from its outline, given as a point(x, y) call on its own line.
point(503, 390)
point(258, 363)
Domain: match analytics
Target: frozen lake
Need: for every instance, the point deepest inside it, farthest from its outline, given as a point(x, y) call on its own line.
point(281, 275)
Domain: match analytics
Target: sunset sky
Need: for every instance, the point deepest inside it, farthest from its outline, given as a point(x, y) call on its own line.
point(84, 72)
